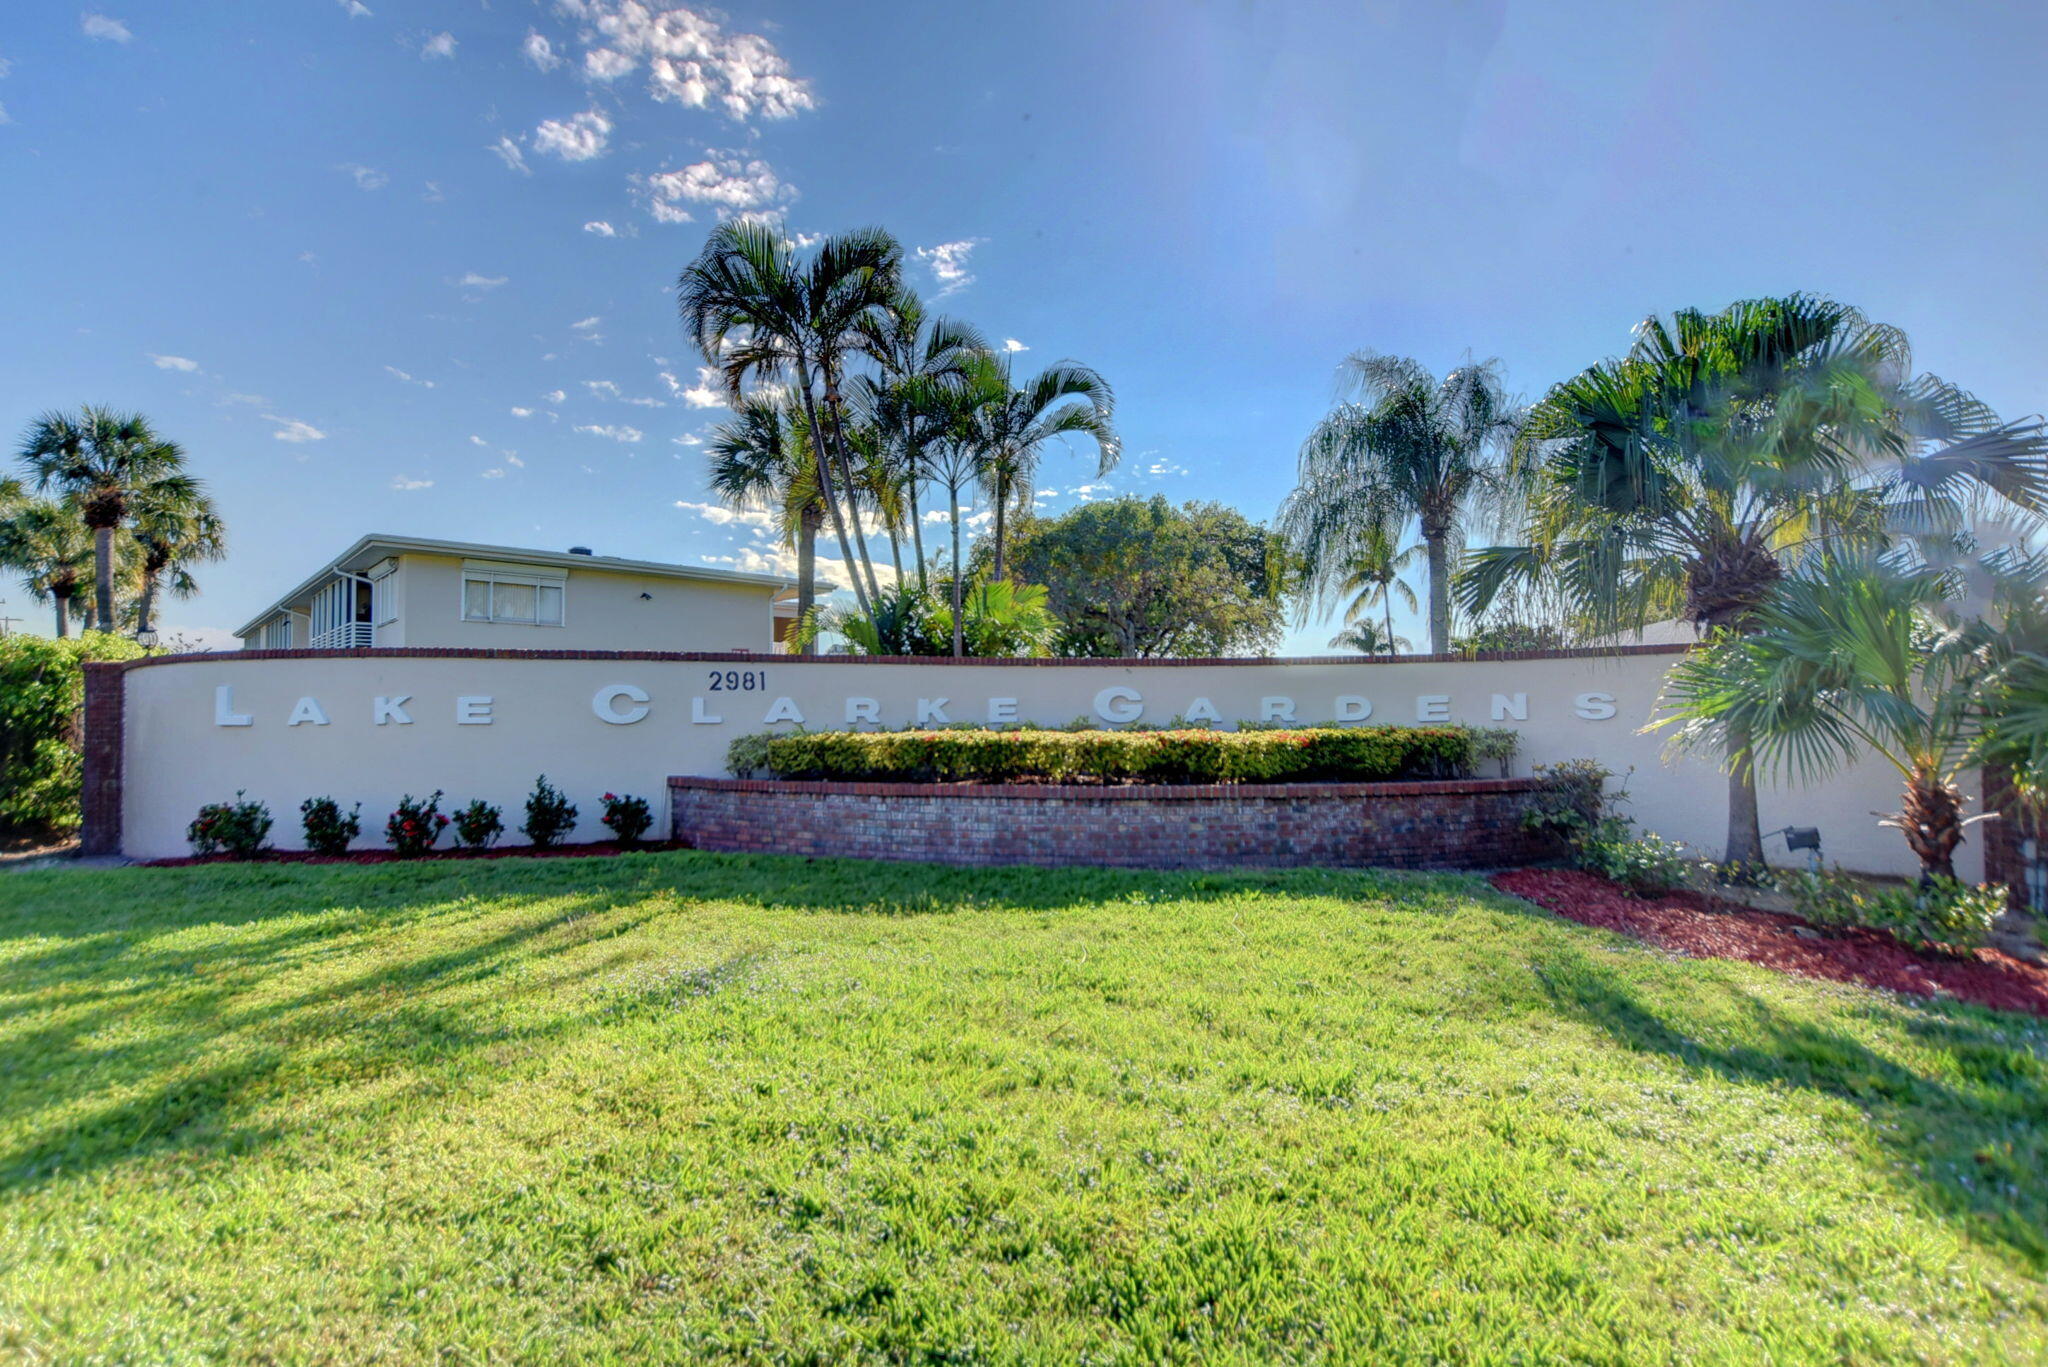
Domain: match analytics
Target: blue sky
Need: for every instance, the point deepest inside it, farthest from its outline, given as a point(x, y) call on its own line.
point(408, 266)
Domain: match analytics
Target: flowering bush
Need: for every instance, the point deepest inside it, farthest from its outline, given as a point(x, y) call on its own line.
point(416, 825)
point(549, 814)
point(327, 830)
point(238, 827)
point(478, 825)
point(1941, 914)
point(628, 817)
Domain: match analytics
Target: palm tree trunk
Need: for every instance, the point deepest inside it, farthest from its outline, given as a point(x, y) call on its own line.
point(1745, 847)
point(833, 439)
point(807, 571)
point(63, 602)
point(1931, 817)
point(1002, 502)
point(1439, 548)
point(1387, 598)
point(959, 635)
point(103, 576)
point(825, 491)
point(146, 604)
point(917, 533)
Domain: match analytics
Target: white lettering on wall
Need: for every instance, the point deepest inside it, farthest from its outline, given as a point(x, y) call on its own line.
point(1351, 707)
point(1513, 707)
point(383, 709)
point(1001, 710)
point(473, 710)
point(1594, 706)
point(1119, 704)
point(783, 709)
point(1433, 707)
point(224, 713)
point(863, 709)
point(1276, 709)
point(307, 710)
point(700, 717)
point(931, 710)
point(1201, 710)
point(605, 702)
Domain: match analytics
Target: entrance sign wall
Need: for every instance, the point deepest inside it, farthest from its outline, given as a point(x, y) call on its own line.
point(165, 735)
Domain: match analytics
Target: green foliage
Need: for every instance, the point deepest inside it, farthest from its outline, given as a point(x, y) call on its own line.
point(1644, 864)
point(747, 756)
point(478, 825)
point(1497, 743)
point(42, 688)
point(1941, 914)
point(1504, 636)
point(1140, 577)
point(328, 829)
point(1004, 620)
point(549, 814)
point(627, 817)
point(240, 827)
point(1360, 754)
point(416, 825)
point(1577, 807)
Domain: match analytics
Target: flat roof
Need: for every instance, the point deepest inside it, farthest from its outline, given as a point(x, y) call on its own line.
point(376, 546)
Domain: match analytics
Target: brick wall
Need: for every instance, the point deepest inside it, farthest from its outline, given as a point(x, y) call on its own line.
point(100, 800)
point(1450, 824)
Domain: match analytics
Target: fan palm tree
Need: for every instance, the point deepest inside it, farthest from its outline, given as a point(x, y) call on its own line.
point(1014, 422)
point(47, 543)
point(759, 313)
point(1685, 478)
point(1410, 446)
point(175, 527)
point(99, 459)
point(762, 461)
point(1367, 638)
point(1374, 580)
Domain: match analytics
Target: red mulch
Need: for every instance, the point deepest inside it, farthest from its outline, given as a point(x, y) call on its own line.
point(1700, 926)
point(602, 847)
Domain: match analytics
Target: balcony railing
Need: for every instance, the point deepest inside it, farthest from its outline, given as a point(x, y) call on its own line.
point(347, 636)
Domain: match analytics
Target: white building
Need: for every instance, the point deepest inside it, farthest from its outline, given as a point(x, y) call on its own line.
point(411, 591)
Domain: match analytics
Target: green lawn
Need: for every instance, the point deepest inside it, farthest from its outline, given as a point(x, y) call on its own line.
point(684, 1107)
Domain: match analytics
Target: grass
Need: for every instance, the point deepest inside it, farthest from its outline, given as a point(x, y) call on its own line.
point(681, 1107)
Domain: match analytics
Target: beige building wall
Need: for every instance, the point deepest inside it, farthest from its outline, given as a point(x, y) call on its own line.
point(601, 610)
point(486, 727)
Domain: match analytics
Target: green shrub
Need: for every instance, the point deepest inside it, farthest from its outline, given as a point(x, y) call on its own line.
point(478, 825)
point(747, 756)
point(549, 814)
point(627, 817)
point(328, 831)
point(1941, 914)
point(1577, 807)
point(239, 827)
point(416, 825)
point(1641, 863)
point(42, 688)
point(1031, 754)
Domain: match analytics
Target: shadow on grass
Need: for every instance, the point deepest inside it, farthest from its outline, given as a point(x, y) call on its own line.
point(1972, 1145)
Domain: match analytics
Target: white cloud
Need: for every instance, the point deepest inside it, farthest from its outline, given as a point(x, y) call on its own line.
point(522, 412)
point(601, 228)
point(616, 433)
point(1088, 493)
point(555, 396)
point(688, 439)
point(607, 389)
point(395, 373)
point(539, 51)
point(5, 117)
point(294, 431)
point(366, 177)
point(407, 482)
point(1165, 467)
point(1011, 344)
point(437, 47)
point(473, 281)
point(720, 516)
point(171, 362)
point(690, 58)
point(586, 324)
point(5, 68)
point(580, 137)
point(100, 26)
point(731, 182)
point(949, 263)
point(475, 440)
point(512, 459)
point(507, 151)
point(493, 474)
point(708, 392)
point(355, 9)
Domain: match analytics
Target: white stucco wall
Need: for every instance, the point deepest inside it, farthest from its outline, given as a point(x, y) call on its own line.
point(540, 717)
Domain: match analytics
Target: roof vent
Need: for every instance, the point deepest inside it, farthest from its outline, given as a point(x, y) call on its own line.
point(581, 550)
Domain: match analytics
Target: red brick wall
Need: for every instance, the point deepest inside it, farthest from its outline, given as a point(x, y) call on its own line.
point(1458, 823)
point(101, 797)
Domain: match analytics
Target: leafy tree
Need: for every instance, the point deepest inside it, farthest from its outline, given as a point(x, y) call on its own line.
point(1686, 477)
point(42, 688)
point(102, 461)
point(47, 543)
point(1140, 577)
point(1410, 446)
point(1511, 635)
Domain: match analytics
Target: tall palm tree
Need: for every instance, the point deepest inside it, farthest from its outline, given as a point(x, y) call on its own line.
point(1409, 446)
point(1374, 580)
point(99, 459)
point(1686, 477)
point(958, 460)
point(175, 527)
point(1367, 638)
point(1014, 423)
point(762, 461)
point(47, 543)
point(760, 313)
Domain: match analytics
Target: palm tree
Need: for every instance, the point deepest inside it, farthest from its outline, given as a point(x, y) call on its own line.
point(1410, 446)
point(762, 461)
point(1014, 423)
point(757, 312)
point(47, 543)
point(99, 459)
point(175, 526)
point(1368, 639)
point(1374, 580)
point(1687, 476)
point(958, 460)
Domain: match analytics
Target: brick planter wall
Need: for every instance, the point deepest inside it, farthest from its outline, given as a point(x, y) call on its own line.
point(1446, 824)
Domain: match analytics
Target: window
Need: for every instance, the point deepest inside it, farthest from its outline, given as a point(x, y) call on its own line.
point(519, 596)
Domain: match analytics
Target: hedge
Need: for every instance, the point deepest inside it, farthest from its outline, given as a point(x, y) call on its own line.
point(1356, 754)
point(42, 688)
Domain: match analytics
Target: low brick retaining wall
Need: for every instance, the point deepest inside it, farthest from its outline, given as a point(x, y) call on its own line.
point(1442, 824)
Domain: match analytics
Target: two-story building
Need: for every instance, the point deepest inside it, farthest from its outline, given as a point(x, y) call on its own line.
point(413, 591)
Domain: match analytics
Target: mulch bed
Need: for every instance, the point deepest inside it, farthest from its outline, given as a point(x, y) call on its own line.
point(1689, 923)
point(603, 847)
